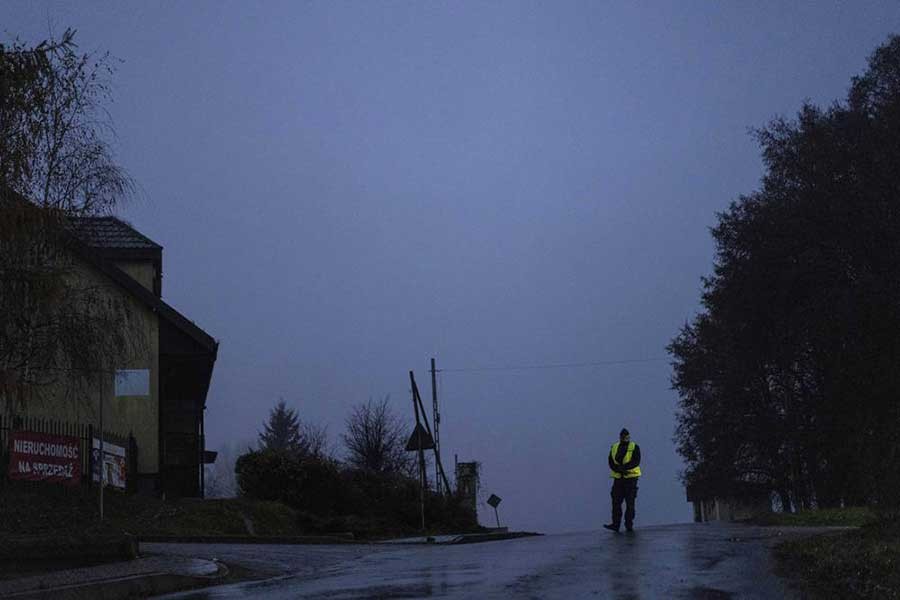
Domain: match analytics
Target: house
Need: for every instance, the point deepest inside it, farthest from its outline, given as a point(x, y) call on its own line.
point(159, 394)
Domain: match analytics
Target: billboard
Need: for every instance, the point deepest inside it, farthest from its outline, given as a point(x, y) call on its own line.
point(44, 457)
point(113, 464)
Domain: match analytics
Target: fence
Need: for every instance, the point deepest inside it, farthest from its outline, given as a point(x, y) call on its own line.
point(85, 434)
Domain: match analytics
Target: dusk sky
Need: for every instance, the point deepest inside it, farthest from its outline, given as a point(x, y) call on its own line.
point(346, 189)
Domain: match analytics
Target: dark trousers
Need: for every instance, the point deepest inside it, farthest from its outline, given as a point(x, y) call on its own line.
point(623, 489)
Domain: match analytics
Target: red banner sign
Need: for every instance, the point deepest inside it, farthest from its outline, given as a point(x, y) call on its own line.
point(44, 457)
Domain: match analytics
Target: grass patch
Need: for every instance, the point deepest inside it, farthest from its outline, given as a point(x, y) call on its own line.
point(851, 565)
point(43, 510)
point(40, 510)
point(232, 516)
point(854, 516)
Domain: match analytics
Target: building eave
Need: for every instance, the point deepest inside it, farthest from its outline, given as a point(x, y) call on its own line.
point(143, 295)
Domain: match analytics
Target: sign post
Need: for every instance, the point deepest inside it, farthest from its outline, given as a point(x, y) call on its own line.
point(495, 502)
point(100, 387)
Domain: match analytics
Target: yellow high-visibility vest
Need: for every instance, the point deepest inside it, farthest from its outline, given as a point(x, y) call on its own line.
point(630, 473)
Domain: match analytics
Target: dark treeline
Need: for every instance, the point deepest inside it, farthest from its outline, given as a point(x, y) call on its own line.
point(789, 378)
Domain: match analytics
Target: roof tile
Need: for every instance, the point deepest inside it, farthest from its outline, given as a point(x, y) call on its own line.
point(109, 232)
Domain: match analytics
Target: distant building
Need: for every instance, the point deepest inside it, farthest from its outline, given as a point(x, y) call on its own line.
point(160, 395)
point(467, 484)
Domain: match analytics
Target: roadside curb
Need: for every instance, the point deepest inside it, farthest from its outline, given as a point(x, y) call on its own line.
point(249, 539)
point(462, 538)
point(477, 538)
point(139, 585)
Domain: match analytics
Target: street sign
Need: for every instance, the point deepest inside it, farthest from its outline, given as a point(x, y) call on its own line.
point(495, 501)
point(419, 436)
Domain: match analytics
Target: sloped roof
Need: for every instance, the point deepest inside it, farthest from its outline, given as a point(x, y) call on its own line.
point(98, 239)
point(157, 305)
point(110, 232)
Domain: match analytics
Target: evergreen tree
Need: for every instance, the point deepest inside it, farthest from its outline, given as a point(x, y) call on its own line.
point(282, 431)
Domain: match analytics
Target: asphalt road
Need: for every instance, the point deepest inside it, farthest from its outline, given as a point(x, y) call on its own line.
point(700, 561)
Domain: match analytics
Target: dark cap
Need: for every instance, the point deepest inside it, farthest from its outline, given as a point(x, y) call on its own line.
point(623, 432)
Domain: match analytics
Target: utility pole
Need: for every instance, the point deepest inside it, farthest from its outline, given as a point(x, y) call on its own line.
point(437, 457)
point(437, 428)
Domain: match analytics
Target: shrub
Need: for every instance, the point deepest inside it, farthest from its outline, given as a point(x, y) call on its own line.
point(267, 475)
point(307, 484)
point(330, 499)
point(319, 490)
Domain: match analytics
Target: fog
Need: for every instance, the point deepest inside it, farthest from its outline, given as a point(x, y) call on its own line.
point(521, 191)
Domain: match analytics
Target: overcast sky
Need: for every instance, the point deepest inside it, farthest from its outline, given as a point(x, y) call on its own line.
point(344, 190)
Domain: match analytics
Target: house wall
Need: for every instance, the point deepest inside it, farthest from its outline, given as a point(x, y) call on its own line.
point(141, 271)
point(139, 415)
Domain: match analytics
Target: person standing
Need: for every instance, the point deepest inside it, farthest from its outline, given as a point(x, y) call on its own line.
point(625, 469)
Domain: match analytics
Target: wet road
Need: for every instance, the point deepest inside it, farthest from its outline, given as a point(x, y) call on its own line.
point(699, 561)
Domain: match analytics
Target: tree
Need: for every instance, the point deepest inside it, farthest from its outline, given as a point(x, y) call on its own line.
point(282, 431)
point(220, 479)
point(55, 130)
point(788, 378)
point(375, 440)
point(315, 440)
point(55, 163)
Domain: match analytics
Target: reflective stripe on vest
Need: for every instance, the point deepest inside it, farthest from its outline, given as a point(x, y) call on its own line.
point(630, 473)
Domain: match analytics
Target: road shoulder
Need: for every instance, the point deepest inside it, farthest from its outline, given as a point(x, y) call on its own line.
point(141, 577)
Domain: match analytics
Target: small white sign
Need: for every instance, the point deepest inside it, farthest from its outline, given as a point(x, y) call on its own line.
point(132, 382)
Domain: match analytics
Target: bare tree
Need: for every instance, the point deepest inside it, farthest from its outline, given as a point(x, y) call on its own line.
point(315, 439)
point(55, 130)
point(375, 439)
point(220, 479)
point(55, 163)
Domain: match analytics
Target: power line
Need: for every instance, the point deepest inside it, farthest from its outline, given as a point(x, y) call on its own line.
point(597, 363)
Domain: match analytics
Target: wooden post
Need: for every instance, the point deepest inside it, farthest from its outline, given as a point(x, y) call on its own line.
point(202, 453)
point(437, 457)
point(131, 474)
point(437, 427)
point(412, 381)
point(89, 458)
point(422, 478)
point(91, 444)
